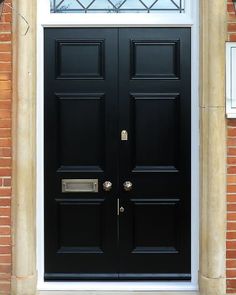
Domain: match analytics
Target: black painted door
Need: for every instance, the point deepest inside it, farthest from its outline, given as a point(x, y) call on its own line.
point(117, 109)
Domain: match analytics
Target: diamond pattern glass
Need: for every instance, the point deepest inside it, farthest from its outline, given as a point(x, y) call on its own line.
point(116, 6)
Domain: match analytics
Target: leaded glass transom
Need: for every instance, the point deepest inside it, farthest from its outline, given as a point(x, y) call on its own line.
point(116, 6)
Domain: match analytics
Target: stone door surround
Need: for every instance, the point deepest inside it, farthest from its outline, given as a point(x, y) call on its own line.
point(212, 151)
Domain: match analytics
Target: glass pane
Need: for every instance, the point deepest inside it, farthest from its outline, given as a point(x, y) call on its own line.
point(116, 6)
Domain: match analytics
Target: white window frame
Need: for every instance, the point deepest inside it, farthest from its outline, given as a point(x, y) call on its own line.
point(230, 80)
point(190, 18)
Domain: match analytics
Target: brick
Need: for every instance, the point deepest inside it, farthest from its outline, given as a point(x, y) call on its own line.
point(231, 160)
point(5, 241)
point(5, 172)
point(231, 226)
point(231, 17)
point(5, 76)
point(231, 207)
point(7, 9)
point(230, 7)
point(231, 151)
point(230, 216)
point(231, 263)
point(5, 142)
point(231, 131)
point(231, 245)
point(6, 211)
point(230, 188)
point(231, 283)
point(5, 191)
point(231, 170)
point(230, 273)
point(4, 250)
point(5, 66)
point(232, 37)
point(231, 142)
point(5, 230)
point(6, 162)
point(5, 37)
point(231, 198)
point(231, 27)
point(5, 152)
point(231, 254)
point(5, 47)
point(5, 104)
point(5, 258)
point(230, 178)
point(6, 132)
point(5, 123)
point(5, 27)
point(7, 182)
point(5, 202)
point(5, 94)
point(5, 85)
point(6, 18)
point(231, 122)
point(5, 221)
point(5, 287)
point(5, 276)
point(5, 57)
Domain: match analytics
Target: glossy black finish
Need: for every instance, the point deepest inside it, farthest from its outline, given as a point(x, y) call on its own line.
point(97, 83)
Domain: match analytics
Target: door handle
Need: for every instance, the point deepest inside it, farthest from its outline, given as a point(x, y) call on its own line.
point(127, 186)
point(107, 186)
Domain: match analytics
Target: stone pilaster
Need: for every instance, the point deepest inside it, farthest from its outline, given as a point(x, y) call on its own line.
point(212, 148)
point(24, 147)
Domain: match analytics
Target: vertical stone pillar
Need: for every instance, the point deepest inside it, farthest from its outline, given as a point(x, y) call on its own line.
point(24, 147)
point(213, 147)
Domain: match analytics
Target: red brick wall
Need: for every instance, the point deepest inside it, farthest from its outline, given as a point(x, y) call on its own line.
point(5, 149)
point(231, 178)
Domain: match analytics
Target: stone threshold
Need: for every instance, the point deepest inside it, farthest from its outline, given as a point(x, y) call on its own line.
point(117, 293)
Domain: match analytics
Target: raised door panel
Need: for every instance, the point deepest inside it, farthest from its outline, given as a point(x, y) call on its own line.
point(80, 59)
point(81, 131)
point(155, 59)
point(155, 135)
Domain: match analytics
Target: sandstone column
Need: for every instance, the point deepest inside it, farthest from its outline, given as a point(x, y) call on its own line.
point(213, 147)
point(24, 196)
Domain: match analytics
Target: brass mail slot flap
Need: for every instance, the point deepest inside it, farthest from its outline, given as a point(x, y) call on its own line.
point(79, 185)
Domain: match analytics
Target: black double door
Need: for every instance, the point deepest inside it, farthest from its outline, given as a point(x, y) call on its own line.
point(117, 154)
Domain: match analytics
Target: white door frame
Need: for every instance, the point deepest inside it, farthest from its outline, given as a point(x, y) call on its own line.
point(189, 19)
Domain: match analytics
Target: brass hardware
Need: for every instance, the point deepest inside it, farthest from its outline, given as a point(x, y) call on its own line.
point(127, 186)
point(79, 185)
point(122, 209)
point(118, 206)
point(107, 186)
point(124, 135)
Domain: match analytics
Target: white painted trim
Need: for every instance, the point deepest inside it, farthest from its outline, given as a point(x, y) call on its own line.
point(120, 19)
point(230, 80)
point(45, 20)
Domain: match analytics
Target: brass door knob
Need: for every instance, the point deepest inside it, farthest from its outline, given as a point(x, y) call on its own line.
point(107, 186)
point(122, 209)
point(127, 186)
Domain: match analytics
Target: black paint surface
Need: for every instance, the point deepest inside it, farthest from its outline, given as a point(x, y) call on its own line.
point(97, 83)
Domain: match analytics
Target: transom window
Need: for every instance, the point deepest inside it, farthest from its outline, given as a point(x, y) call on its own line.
point(116, 6)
